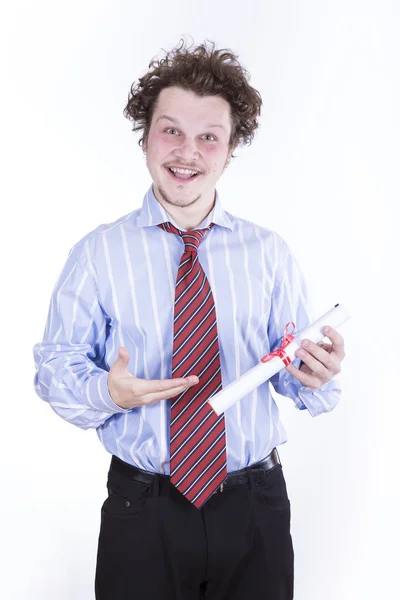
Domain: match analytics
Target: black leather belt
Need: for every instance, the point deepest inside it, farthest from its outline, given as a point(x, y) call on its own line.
point(233, 479)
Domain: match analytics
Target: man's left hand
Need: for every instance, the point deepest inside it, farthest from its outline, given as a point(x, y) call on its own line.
point(321, 361)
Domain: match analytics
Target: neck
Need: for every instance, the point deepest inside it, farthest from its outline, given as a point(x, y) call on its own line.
point(186, 217)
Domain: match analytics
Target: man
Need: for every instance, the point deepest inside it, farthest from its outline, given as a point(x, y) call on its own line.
point(155, 313)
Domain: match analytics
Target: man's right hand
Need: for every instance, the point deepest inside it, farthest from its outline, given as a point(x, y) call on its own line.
point(128, 391)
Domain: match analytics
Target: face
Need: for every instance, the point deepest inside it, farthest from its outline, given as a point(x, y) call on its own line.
point(192, 132)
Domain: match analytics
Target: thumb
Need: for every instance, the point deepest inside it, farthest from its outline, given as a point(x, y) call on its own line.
point(122, 359)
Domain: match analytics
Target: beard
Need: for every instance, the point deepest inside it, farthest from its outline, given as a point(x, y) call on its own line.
point(167, 198)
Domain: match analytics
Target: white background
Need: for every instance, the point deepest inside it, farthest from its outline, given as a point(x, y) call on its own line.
point(322, 171)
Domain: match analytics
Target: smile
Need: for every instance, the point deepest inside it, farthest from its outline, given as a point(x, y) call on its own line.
point(184, 177)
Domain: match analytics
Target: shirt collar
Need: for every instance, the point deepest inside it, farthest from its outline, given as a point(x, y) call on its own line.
point(153, 213)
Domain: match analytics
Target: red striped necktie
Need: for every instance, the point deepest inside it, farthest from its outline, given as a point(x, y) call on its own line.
point(197, 434)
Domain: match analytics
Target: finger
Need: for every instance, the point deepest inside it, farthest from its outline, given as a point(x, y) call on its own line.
point(319, 352)
point(323, 353)
point(152, 398)
point(153, 386)
point(337, 342)
point(327, 347)
point(306, 379)
point(122, 360)
point(314, 364)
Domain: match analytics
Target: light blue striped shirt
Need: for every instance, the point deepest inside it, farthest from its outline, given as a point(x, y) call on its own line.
point(117, 288)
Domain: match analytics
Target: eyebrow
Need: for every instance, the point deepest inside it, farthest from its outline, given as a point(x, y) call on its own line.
point(208, 126)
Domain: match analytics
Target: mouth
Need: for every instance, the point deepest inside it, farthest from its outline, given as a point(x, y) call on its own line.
point(182, 175)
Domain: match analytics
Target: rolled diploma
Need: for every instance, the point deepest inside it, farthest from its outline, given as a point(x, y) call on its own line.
point(265, 370)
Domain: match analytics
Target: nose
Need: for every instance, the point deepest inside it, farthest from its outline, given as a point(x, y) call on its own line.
point(188, 149)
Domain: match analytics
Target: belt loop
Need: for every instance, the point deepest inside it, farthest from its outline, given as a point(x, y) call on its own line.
point(251, 480)
point(156, 486)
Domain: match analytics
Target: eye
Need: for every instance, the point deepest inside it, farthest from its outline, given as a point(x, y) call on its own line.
point(171, 129)
point(210, 135)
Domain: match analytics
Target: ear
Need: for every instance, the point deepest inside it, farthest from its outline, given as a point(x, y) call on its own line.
point(228, 160)
point(231, 151)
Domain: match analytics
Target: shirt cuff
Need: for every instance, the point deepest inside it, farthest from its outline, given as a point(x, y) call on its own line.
point(98, 395)
point(321, 400)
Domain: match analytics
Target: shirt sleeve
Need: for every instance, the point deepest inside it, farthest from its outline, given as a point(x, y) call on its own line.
point(71, 374)
point(290, 302)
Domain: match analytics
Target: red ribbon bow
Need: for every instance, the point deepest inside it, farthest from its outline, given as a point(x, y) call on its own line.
point(287, 338)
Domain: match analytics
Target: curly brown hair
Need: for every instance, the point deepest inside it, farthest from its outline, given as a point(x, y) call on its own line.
point(205, 72)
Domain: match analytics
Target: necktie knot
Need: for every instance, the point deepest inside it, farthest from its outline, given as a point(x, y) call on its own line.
point(191, 238)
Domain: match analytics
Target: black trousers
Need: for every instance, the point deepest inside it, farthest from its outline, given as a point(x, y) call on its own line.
point(155, 545)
